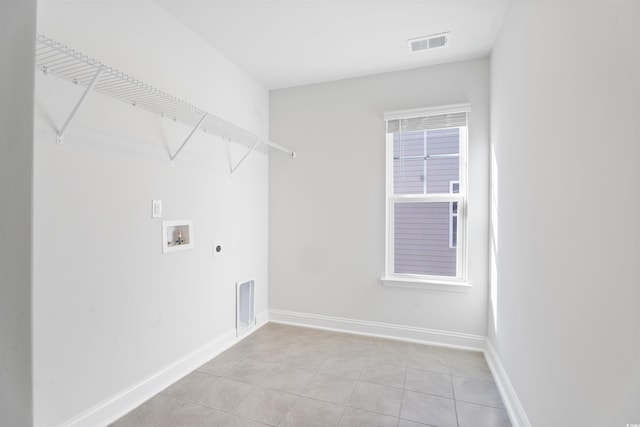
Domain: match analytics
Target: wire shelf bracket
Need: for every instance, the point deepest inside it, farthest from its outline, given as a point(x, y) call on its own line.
point(59, 60)
point(60, 133)
point(253, 147)
point(173, 157)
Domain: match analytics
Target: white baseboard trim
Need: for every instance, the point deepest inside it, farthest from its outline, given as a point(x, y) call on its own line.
point(378, 329)
point(130, 398)
point(511, 402)
point(262, 318)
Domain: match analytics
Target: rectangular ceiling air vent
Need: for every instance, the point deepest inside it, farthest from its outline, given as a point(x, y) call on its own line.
point(428, 42)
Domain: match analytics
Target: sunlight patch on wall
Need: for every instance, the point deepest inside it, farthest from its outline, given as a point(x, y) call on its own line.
point(493, 230)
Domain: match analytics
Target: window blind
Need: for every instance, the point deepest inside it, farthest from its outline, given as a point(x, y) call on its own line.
point(437, 121)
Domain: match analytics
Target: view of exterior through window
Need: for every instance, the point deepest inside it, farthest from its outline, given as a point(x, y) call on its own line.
point(426, 172)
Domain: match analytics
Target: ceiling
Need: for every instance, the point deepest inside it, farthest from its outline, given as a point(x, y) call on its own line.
point(284, 43)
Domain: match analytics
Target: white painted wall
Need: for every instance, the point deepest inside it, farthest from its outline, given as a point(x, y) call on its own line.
point(110, 310)
point(326, 209)
point(565, 102)
point(17, 35)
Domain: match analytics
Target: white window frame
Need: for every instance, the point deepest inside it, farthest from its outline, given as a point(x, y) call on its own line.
point(458, 283)
point(452, 215)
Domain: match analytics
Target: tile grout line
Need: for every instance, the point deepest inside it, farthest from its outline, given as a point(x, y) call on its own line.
point(290, 409)
point(455, 402)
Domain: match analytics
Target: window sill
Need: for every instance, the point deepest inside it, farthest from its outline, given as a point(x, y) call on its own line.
point(430, 284)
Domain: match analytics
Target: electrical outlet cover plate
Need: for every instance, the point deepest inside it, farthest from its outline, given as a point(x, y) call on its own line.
point(156, 210)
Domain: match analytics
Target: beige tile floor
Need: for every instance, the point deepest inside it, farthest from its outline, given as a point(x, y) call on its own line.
point(291, 376)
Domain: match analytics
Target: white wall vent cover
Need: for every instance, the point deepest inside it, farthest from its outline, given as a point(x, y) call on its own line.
point(428, 42)
point(245, 306)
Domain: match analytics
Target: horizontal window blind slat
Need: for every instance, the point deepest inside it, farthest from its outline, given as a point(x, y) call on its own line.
point(439, 121)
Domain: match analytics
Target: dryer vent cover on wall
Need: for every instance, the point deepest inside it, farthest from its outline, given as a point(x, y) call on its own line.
point(245, 306)
point(428, 42)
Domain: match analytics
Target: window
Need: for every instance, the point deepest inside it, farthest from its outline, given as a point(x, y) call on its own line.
point(426, 194)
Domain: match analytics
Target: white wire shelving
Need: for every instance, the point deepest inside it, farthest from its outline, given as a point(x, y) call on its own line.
point(59, 60)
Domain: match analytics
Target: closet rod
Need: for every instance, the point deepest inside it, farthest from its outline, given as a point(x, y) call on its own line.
point(59, 60)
